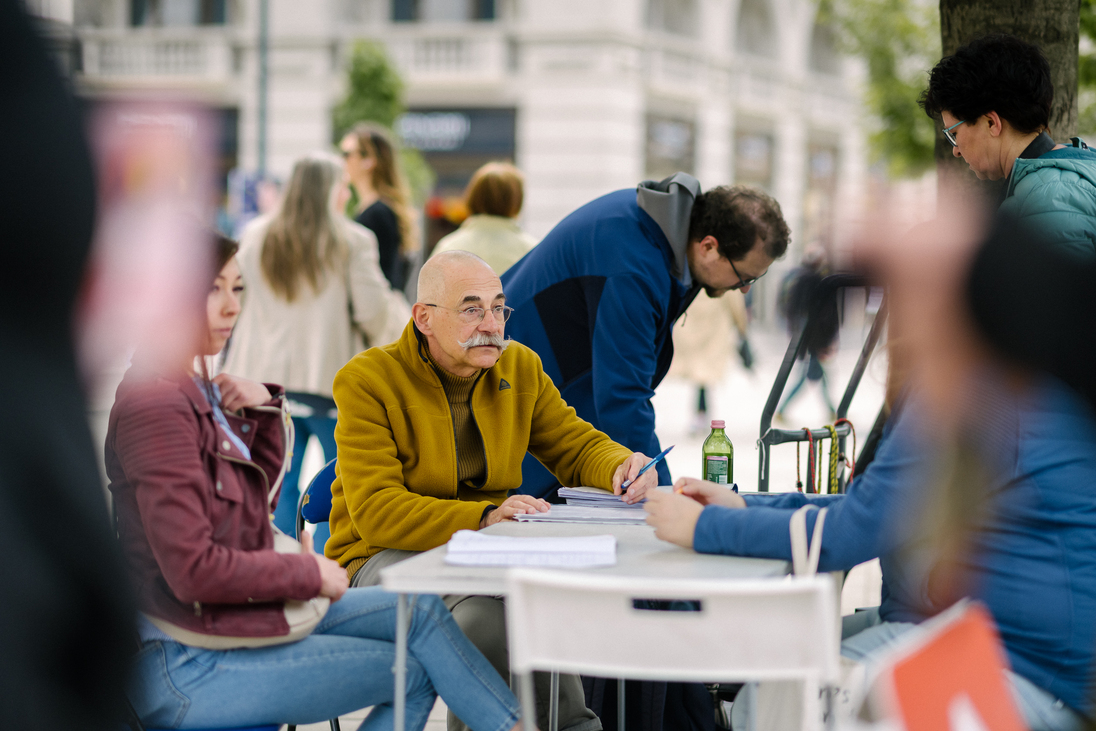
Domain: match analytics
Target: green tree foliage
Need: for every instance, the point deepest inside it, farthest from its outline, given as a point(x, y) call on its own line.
point(374, 90)
point(899, 40)
point(375, 94)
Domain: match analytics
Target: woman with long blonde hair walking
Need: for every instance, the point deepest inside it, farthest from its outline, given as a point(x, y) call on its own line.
point(315, 298)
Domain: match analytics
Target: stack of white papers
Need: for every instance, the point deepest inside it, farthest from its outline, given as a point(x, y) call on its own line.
point(586, 514)
point(469, 548)
point(593, 497)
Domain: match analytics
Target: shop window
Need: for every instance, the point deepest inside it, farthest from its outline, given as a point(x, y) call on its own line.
point(671, 146)
point(753, 159)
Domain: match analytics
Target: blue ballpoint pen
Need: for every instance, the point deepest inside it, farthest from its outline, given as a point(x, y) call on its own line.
point(658, 458)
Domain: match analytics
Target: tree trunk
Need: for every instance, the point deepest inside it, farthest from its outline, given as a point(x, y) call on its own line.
point(1050, 24)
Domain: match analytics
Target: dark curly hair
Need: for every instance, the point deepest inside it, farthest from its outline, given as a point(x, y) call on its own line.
point(737, 216)
point(996, 73)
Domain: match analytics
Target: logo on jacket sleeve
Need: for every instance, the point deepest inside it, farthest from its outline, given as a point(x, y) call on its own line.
point(503, 384)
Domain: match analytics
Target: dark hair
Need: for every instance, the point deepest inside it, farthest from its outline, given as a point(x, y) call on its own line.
point(996, 73)
point(224, 249)
point(376, 141)
point(496, 189)
point(737, 216)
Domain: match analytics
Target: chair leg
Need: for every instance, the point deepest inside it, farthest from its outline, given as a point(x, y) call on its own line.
point(528, 704)
point(553, 709)
point(620, 704)
point(134, 720)
point(291, 727)
point(335, 724)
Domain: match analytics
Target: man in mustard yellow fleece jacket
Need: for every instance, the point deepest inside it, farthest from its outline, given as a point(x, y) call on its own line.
point(431, 434)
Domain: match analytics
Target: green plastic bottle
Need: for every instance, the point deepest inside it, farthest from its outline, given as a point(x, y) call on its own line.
point(718, 455)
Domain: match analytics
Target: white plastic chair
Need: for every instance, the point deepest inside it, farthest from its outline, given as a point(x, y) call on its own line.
point(757, 629)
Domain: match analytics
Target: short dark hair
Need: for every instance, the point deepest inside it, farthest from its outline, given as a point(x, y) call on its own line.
point(996, 73)
point(737, 216)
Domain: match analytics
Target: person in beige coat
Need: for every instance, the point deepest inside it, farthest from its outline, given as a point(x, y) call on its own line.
point(315, 297)
point(704, 344)
point(494, 197)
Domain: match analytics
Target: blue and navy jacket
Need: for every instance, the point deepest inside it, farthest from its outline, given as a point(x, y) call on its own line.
point(1031, 556)
point(597, 299)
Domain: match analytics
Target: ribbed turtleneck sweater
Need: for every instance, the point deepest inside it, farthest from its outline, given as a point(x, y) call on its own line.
point(471, 457)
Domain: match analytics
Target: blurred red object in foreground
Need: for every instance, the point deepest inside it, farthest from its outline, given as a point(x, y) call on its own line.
point(952, 677)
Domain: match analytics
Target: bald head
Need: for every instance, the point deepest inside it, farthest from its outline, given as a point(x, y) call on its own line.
point(452, 285)
point(450, 267)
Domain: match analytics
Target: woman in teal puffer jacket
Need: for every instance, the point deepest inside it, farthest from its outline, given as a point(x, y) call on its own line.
point(993, 96)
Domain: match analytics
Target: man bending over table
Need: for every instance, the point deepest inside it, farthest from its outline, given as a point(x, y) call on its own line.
point(431, 434)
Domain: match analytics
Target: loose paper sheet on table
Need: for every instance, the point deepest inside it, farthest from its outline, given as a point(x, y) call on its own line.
point(470, 548)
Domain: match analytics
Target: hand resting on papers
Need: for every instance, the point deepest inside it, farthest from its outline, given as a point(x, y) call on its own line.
point(514, 505)
point(674, 515)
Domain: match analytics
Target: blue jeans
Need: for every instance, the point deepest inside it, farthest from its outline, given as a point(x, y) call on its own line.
point(865, 635)
point(345, 665)
point(320, 424)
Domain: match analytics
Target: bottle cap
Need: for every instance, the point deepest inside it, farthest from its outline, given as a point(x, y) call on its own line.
point(718, 424)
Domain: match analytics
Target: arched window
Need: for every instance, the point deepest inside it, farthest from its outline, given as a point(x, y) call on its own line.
point(825, 57)
point(680, 17)
point(756, 34)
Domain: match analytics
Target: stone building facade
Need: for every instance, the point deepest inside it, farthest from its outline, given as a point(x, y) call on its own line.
point(586, 96)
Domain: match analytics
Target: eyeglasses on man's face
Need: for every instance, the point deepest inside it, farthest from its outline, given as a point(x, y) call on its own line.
point(741, 282)
point(949, 135)
point(475, 315)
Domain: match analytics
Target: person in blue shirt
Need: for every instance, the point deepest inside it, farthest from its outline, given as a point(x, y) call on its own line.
point(598, 297)
point(1028, 553)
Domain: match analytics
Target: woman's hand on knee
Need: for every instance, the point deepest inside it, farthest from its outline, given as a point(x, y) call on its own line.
point(333, 579)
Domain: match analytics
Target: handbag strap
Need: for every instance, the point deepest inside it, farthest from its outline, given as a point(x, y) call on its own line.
point(805, 557)
point(288, 432)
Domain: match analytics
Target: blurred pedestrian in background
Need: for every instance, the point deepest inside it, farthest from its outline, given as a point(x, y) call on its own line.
point(797, 296)
point(704, 341)
point(494, 197)
point(315, 298)
point(66, 623)
point(373, 170)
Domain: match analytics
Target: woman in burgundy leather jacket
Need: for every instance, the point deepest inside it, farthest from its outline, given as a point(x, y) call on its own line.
point(195, 466)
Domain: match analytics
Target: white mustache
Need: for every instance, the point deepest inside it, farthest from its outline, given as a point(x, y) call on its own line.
point(485, 339)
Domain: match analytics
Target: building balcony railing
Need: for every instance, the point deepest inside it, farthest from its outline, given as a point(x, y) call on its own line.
point(180, 54)
point(438, 55)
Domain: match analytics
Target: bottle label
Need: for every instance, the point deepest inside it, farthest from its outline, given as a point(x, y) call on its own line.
point(715, 469)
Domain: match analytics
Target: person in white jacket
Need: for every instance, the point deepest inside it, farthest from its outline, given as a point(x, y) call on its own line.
point(315, 297)
point(494, 196)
